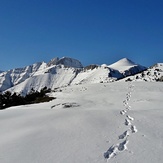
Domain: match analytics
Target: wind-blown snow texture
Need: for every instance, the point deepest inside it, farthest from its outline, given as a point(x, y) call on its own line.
point(95, 123)
point(63, 72)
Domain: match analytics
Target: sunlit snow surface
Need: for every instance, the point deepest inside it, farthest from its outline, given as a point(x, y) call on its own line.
point(122, 64)
point(92, 123)
point(64, 72)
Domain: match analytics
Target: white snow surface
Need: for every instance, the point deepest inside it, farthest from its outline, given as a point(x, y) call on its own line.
point(87, 124)
point(152, 74)
point(16, 76)
point(124, 64)
point(100, 74)
point(63, 72)
point(52, 77)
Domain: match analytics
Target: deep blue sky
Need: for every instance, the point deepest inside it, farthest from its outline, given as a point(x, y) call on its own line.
point(93, 31)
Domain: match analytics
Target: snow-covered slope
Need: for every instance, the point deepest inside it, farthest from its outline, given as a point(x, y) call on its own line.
point(62, 72)
point(99, 74)
point(127, 67)
point(59, 76)
point(108, 73)
point(51, 77)
point(16, 76)
point(154, 73)
point(96, 123)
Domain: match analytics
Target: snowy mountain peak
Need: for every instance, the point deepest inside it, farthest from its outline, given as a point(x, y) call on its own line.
point(63, 72)
point(125, 62)
point(70, 62)
point(66, 61)
point(127, 67)
point(53, 61)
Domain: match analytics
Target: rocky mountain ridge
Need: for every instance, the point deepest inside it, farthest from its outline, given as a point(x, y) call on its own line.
point(16, 76)
point(152, 74)
point(63, 72)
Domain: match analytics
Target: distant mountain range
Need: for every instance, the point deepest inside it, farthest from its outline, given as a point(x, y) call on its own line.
point(68, 71)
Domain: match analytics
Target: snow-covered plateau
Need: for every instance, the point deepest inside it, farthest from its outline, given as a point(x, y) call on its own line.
point(119, 122)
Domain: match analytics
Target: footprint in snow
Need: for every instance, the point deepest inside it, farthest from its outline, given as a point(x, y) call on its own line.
point(128, 107)
point(125, 104)
point(123, 146)
point(115, 149)
point(127, 122)
point(133, 129)
point(123, 112)
point(125, 134)
point(130, 118)
point(111, 152)
point(128, 94)
point(127, 98)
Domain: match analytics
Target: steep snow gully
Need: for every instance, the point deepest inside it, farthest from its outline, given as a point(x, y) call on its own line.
point(123, 139)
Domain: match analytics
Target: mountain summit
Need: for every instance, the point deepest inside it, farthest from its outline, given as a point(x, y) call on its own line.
point(122, 64)
point(66, 61)
point(64, 71)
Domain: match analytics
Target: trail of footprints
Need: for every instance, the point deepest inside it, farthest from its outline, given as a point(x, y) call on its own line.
point(128, 122)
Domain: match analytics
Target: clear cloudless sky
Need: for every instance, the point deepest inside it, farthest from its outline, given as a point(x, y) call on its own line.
point(92, 31)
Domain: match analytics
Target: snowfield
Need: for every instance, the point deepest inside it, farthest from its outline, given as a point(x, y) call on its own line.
point(118, 122)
